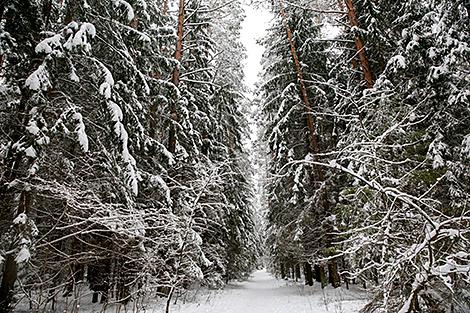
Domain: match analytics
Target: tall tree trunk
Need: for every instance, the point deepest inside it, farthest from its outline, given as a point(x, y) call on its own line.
point(283, 271)
point(313, 140)
point(316, 268)
point(8, 282)
point(8, 209)
point(10, 268)
point(323, 278)
point(345, 276)
point(165, 7)
point(320, 275)
point(333, 275)
point(175, 79)
point(314, 146)
point(359, 44)
point(308, 274)
point(297, 272)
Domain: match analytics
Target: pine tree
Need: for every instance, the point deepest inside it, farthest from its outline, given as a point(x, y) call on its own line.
point(87, 146)
point(298, 128)
point(399, 155)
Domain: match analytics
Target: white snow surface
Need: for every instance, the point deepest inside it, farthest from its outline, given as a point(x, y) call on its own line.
point(48, 45)
point(81, 37)
point(23, 255)
point(80, 131)
point(128, 8)
point(30, 152)
point(39, 79)
point(262, 293)
point(20, 219)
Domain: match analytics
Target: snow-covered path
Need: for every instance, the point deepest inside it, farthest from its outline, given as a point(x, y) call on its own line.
point(265, 294)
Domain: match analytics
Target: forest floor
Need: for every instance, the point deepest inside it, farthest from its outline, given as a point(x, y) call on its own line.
point(263, 293)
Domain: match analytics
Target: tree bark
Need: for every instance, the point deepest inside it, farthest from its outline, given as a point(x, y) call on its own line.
point(10, 268)
point(314, 146)
point(8, 282)
point(297, 272)
point(283, 271)
point(316, 268)
point(308, 274)
point(313, 140)
point(8, 211)
point(94, 298)
point(345, 276)
point(333, 275)
point(320, 275)
point(165, 7)
point(323, 278)
point(175, 79)
point(352, 16)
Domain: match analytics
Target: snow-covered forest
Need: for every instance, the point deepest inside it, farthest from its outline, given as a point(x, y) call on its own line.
point(130, 176)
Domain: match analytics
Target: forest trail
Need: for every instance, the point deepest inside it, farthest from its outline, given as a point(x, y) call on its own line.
point(263, 293)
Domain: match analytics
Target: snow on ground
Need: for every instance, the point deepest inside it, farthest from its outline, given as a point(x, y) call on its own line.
point(264, 294)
